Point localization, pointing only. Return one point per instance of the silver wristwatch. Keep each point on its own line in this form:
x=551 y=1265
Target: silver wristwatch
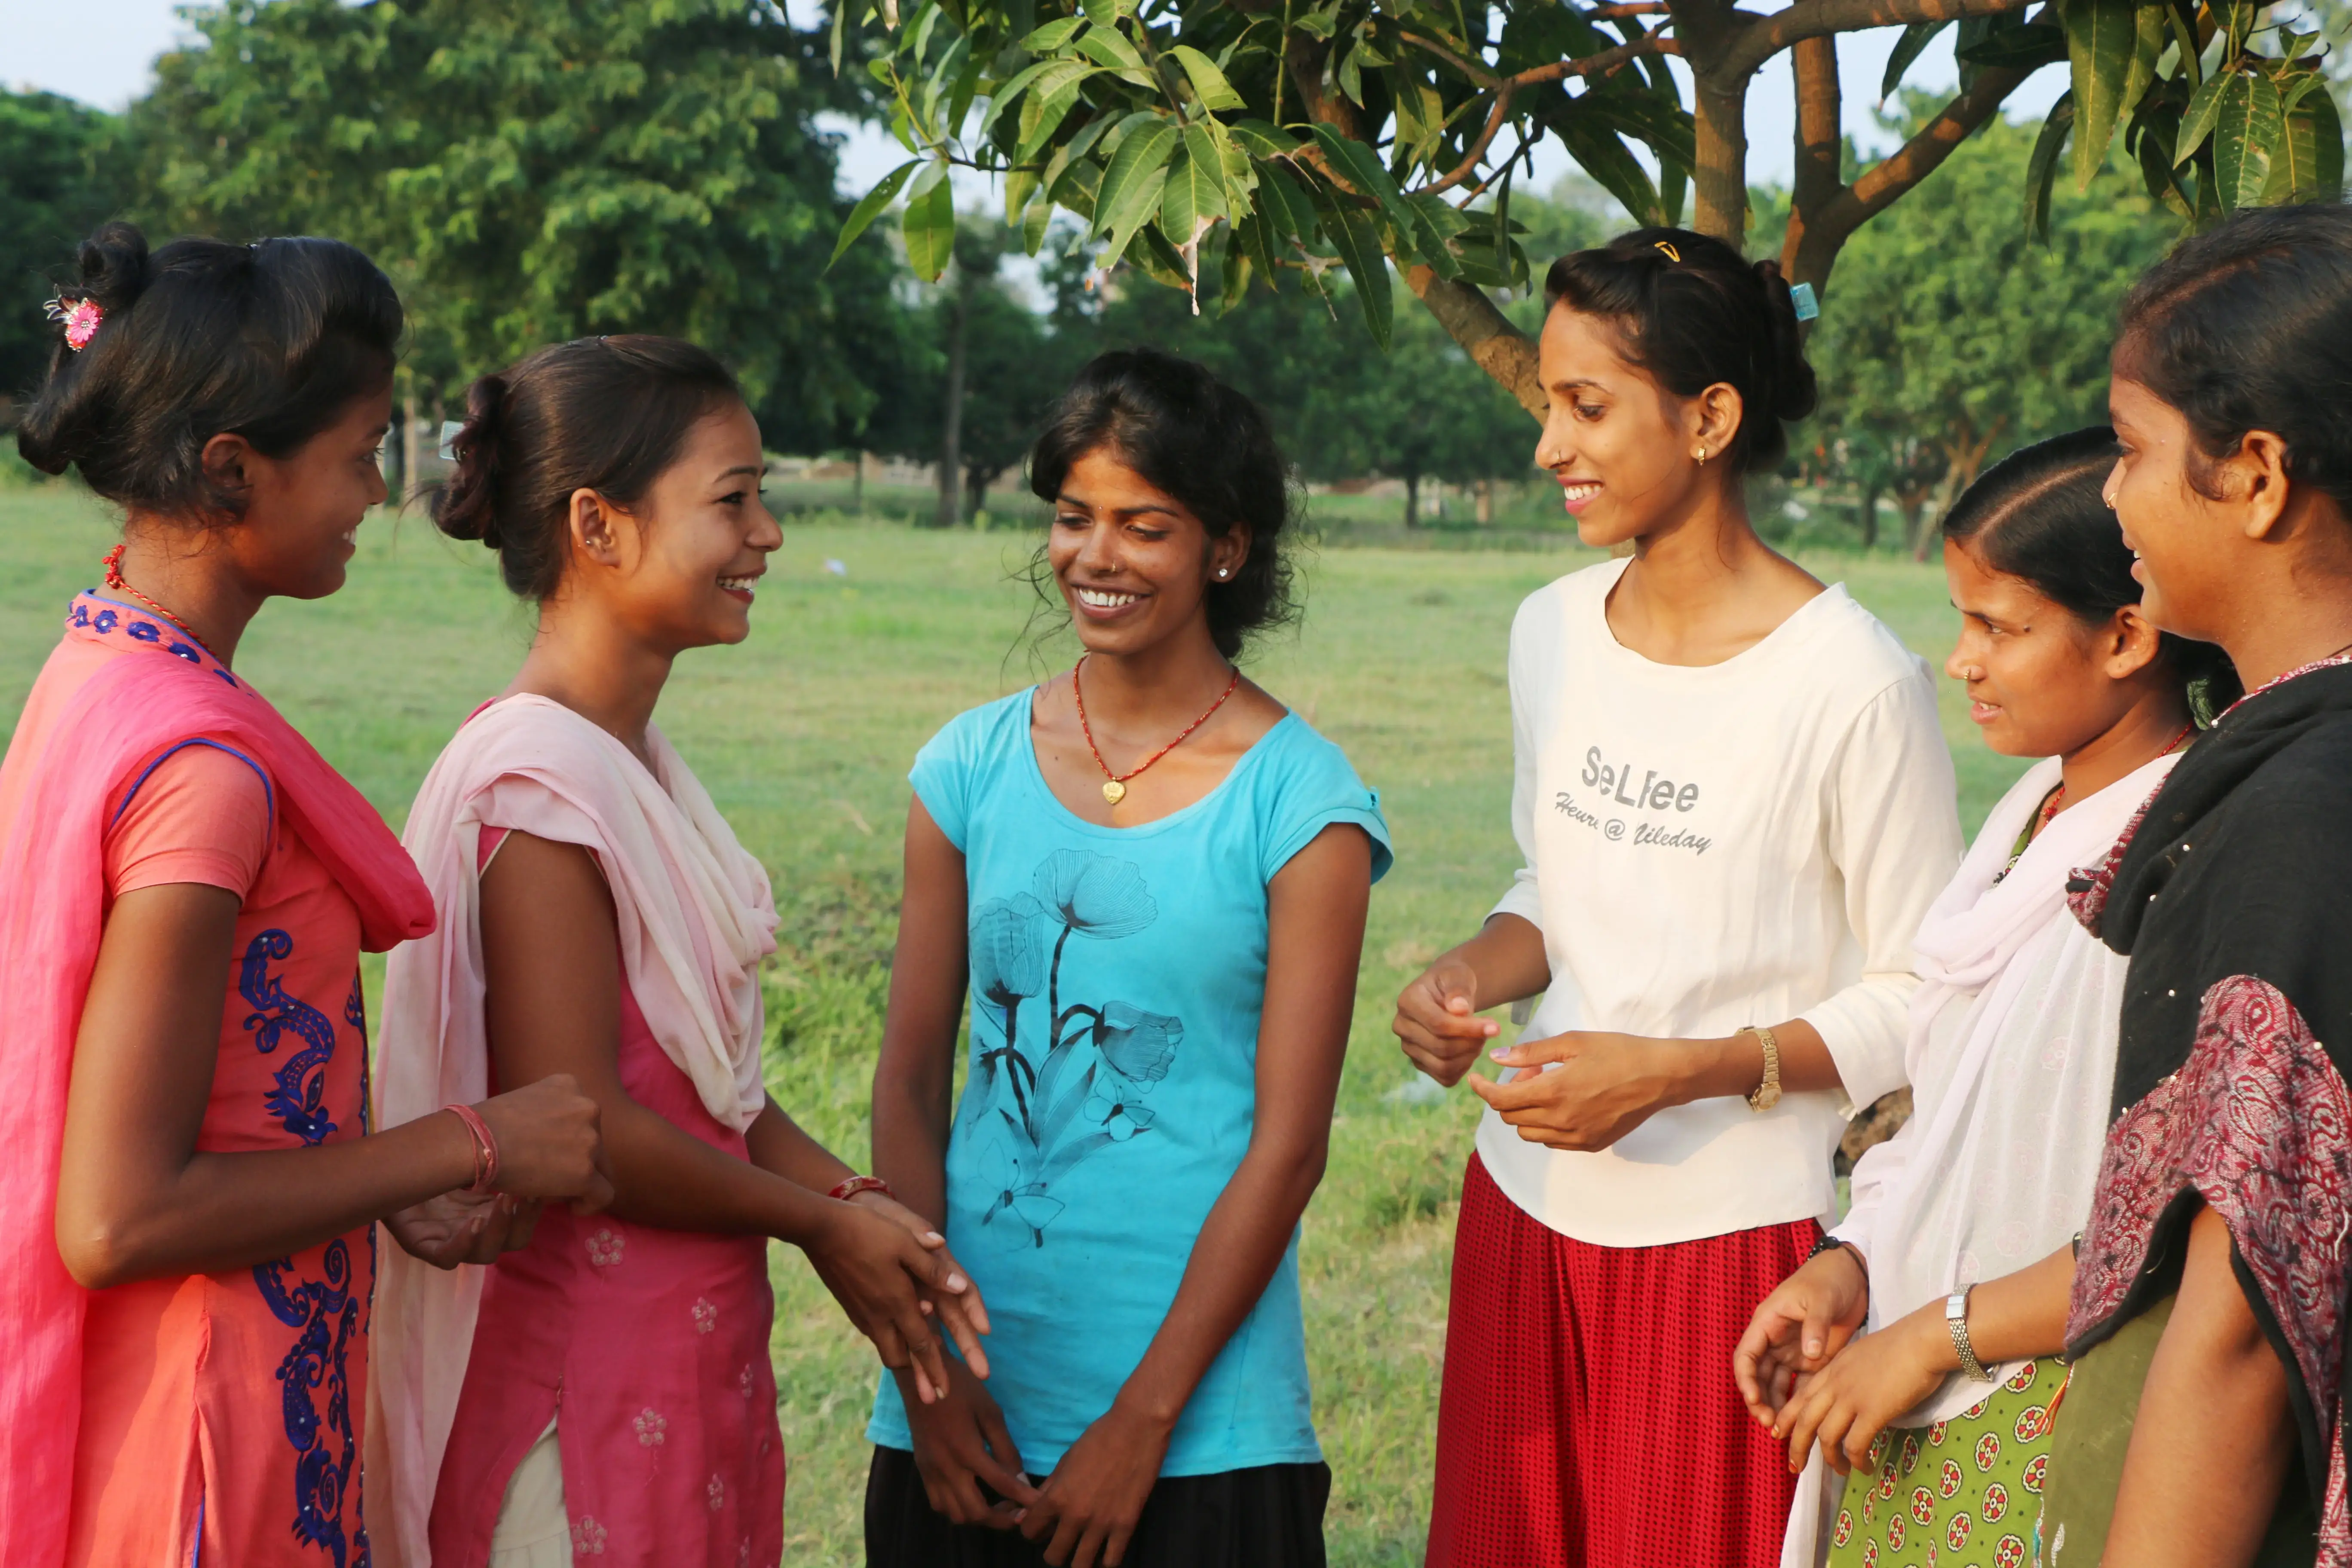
x=1956 y=1319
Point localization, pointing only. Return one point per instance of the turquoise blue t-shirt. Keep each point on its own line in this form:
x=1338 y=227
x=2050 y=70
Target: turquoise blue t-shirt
x=1116 y=978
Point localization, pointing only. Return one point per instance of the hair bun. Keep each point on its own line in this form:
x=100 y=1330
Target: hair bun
x=113 y=265
x=1795 y=391
x=466 y=505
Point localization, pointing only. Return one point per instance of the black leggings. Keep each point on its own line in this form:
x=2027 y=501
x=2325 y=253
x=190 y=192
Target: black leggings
x=1268 y=1517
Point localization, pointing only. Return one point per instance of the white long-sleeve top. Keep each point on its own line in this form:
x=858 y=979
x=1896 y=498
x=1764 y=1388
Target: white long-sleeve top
x=1709 y=847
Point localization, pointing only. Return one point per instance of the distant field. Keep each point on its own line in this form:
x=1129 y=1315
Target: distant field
x=803 y=736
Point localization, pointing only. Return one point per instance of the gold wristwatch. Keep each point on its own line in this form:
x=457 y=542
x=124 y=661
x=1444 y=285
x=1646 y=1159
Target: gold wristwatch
x=1767 y=1094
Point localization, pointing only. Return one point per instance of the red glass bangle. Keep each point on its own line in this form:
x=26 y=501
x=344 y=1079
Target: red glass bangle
x=485 y=1148
x=856 y=1184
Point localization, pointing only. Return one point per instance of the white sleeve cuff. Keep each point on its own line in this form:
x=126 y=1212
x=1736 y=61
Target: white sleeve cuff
x=1864 y=1026
x=1521 y=900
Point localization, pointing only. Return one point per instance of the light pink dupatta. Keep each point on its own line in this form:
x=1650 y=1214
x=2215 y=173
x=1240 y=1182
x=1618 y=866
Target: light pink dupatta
x=695 y=919
x=52 y=899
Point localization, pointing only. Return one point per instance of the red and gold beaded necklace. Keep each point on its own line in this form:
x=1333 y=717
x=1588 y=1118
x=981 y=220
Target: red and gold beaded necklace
x=1115 y=784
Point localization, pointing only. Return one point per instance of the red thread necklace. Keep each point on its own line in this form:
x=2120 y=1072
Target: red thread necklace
x=1115 y=784
x=114 y=581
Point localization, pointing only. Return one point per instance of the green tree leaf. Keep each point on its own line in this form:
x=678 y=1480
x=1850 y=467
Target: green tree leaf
x=1049 y=39
x=2327 y=147
x=1130 y=186
x=2245 y=131
x=1209 y=84
x=1359 y=245
x=2152 y=30
x=2042 y=167
x=1194 y=196
x=928 y=223
x=1915 y=39
x=869 y=208
x=2197 y=120
x=2100 y=38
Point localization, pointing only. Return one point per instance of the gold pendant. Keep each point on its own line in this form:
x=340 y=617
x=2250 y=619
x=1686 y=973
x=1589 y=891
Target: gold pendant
x=1114 y=791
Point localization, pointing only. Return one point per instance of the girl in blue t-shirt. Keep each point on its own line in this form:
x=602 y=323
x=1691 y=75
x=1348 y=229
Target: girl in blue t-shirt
x=1155 y=877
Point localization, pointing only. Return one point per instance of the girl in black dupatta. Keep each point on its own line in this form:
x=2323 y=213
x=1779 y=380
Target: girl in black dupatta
x=2204 y=1421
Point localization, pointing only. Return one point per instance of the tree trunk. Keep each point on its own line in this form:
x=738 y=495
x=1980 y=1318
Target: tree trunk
x=1412 y=501
x=951 y=420
x=1485 y=335
x=1720 y=184
x=976 y=481
x=1485 y=503
x=1867 y=515
x=412 y=448
x=857 y=486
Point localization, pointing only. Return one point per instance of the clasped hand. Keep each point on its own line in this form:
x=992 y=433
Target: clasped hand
x=1603 y=1087
x=1807 y=1376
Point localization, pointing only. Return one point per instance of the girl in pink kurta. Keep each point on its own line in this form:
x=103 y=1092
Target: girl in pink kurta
x=187 y=1186
x=605 y=1393
x=646 y=1350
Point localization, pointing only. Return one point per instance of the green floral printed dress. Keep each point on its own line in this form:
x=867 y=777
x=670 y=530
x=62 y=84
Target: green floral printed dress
x=1962 y=1493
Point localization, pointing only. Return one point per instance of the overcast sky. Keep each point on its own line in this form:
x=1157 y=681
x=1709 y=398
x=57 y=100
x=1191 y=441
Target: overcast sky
x=100 y=51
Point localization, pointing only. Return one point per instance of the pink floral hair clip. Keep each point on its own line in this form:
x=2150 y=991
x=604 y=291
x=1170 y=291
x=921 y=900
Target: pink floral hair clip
x=80 y=317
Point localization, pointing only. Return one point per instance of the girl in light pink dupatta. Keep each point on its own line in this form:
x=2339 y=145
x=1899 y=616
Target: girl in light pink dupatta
x=186 y=1193
x=605 y=1393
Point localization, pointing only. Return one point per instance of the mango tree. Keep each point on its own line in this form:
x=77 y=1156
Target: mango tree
x=1215 y=143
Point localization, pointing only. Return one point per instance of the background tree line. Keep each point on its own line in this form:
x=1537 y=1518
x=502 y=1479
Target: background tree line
x=529 y=172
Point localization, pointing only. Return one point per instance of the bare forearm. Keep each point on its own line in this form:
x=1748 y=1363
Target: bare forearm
x=1237 y=1252
x=910 y=1142
x=224 y=1211
x=2021 y=1315
x=1733 y=1065
x=664 y=1175
x=2214 y=1440
x=1508 y=957
x=779 y=1144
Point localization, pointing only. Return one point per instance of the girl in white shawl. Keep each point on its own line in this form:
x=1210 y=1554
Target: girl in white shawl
x=1958 y=1253
x=605 y=1390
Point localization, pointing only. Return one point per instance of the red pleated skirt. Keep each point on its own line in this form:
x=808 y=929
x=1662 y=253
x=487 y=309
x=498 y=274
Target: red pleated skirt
x=1588 y=1417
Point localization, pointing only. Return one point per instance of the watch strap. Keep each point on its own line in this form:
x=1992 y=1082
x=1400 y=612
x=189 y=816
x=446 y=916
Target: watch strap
x=1766 y=1094
x=1956 y=1319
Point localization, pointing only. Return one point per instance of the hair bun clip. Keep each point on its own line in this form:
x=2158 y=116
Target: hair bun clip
x=449 y=432
x=1671 y=254
x=1809 y=306
x=80 y=319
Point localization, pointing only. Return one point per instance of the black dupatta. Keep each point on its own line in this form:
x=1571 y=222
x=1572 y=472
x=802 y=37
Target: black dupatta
x=2232 y=897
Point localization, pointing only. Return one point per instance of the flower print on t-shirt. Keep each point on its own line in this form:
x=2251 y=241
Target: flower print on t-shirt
x=1076 y=1082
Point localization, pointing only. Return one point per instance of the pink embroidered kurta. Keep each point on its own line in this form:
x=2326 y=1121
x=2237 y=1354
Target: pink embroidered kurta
x=650 y=1349
x=208 y=1418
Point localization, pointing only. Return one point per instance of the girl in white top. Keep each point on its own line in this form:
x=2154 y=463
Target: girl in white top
x=1735 y=806
x=2012 y=1055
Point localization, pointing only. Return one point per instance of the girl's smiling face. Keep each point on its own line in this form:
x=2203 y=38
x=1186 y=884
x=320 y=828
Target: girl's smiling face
x=2184 y=541
x=684 y=561
x=2041 y=681
x=1133 y=563
x=302 y=513
x=1622 y=447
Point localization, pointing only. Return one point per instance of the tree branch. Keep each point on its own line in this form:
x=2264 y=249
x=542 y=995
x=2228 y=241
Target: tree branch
x=1601 y=64
x=1507 y=354
x=1767 y=35
x=1477 y=148
x=1815 y=236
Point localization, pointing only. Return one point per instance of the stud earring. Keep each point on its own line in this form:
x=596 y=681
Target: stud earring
x=1223 y=572
x=1702 y=456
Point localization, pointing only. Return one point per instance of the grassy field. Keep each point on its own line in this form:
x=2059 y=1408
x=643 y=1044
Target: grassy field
x=803 y=736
